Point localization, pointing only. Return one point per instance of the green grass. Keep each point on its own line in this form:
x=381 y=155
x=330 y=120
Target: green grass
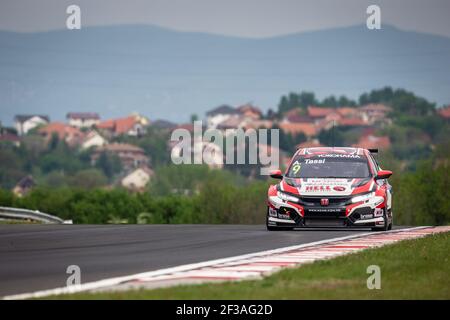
x=5 y=221
x=412 y=269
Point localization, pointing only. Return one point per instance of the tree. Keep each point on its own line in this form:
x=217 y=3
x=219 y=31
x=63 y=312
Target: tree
x=11 y=168
x=88 y=179
x=295 y=100
x=284 y=105
x=332 y=137
x=306 y=99
x=194 y=117
x=109 y=164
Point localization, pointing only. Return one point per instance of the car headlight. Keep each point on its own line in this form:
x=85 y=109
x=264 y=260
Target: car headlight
x=286 y=197
x=363 y=197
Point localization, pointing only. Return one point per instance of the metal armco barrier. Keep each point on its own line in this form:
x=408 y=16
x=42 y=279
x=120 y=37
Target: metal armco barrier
x=25 y=214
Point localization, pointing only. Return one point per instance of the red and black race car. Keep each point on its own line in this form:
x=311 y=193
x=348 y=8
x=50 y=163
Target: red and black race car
x=331 y=187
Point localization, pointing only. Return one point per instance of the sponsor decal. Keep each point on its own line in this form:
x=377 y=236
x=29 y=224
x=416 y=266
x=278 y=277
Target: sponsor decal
x=317 y=188
x=366 y=216
x=325 y=186
x=315 y=161
x=378 y=212
x=272 y=212
x=337 y=155
x=296 y=168
x=283 y=216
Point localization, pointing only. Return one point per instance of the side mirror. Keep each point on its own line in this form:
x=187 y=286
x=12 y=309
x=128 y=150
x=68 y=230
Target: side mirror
x=383 y=174
x=276 y=174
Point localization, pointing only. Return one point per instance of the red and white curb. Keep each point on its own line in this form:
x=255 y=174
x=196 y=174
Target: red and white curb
x=249 y=266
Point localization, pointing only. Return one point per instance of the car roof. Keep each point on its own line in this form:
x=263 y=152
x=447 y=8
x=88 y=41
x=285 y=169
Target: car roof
x=325 y=150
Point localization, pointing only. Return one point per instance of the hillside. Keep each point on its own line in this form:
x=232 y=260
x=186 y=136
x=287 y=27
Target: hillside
x=169 y=74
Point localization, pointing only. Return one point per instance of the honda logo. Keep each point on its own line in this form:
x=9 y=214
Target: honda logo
x=324 y=202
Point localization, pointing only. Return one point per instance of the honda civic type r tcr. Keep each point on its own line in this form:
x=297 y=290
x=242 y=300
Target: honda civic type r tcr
x=331 y=187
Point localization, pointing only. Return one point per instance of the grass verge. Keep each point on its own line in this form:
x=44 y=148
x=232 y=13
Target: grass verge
x=411 y=269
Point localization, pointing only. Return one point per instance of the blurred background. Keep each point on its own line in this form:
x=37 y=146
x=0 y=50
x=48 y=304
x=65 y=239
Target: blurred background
x=86 y=114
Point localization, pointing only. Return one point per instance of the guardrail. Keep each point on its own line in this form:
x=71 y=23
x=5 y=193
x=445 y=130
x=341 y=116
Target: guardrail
x=34 y=215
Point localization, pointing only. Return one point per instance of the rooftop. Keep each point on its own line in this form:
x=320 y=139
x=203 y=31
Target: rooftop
x=223 y=109
x=120 y=125
x=309 y=129
x=61 y=129
x=444 y=112
x=83 y=115
x=25 y=117
x=121 y=147
x=319 y=112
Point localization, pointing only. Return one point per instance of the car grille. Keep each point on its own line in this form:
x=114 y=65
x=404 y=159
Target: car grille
x=335 y=208
x=333 y=201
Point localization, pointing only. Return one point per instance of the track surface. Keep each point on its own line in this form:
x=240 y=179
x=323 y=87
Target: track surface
x=35 y=257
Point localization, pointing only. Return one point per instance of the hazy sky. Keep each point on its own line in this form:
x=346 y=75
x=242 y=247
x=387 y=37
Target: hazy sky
x=250 y=18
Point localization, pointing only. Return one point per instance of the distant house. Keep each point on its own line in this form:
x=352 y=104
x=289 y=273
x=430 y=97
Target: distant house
x=343 y=116
x=25 y=123
x=373 y=142
x=375 y=112
x=93 y=139
x=137 y=179
x=24 y=186
x=220 y=114
x=133 y=125
x=444 y=113
x=200 y=151
x=352 y=122
x=348 y=112
x=308 y=129
x=130 y=155
x=8 y=137
x=318 y=113
x=186 y=126
x=258 y=124
x=83 y=119
x=327 y=122
x=72 y=136
x=230 y=125
x=250 y=111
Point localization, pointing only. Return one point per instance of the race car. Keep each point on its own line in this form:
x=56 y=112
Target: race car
x=331 y=187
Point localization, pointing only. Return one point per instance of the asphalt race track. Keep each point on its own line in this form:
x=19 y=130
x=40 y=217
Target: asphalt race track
x=36 y=257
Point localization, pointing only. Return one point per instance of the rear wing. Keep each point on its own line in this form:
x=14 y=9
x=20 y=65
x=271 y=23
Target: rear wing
x=373 y=150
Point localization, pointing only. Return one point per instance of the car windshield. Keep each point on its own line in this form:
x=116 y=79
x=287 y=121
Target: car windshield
x=329 y=166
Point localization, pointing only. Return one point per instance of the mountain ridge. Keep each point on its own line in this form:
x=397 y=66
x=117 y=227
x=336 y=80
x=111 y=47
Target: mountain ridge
x=161 y=72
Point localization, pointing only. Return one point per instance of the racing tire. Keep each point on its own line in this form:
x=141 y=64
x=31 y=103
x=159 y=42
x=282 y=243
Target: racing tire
x=392 y=221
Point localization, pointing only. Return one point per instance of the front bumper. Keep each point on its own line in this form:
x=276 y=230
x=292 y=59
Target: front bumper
x=285 y=213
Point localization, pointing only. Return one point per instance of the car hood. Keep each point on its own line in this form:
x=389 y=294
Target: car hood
x=326 y=186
